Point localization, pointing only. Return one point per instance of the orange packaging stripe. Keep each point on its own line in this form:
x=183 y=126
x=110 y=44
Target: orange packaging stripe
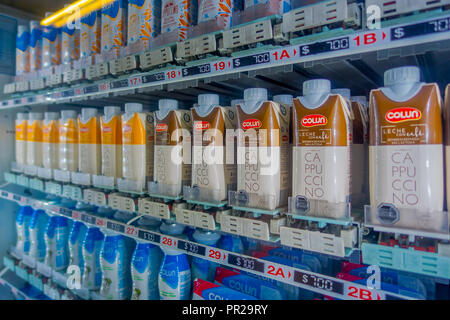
x=111 y=131
x=34 y=132
x=51 y=133
x=89 y=133
x=133 y=131
x=21 y=131
x=68 y=132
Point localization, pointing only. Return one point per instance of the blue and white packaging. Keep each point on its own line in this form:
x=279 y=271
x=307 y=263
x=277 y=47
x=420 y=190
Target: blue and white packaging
x=22 y=50
x=56 y=242
x=281 y=6
x=70 y=43
x=216 y=9
x=92 y=244
x=201 y=268
x=144 y=20
x=35 y=45
x=38 y=223
x=114 y=25
x=248 y=285
x=174 y=279
x=23 y=220
x=231 y=243
x=115 y=261
x=204 y=290
x=51 y=45
x=76 y=238
x=90 y=31
x=145 y=265
x=178 y=15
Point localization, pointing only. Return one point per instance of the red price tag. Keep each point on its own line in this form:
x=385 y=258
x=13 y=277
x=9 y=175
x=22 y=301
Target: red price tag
x=173 y=74
x=282 y=55
x=369 y=38
x=100 y=222
x=221 y=66
x=76 y=215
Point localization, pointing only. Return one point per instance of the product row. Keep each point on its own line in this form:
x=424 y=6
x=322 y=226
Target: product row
x=323 y=149
x=122 y=22
x=121 y=268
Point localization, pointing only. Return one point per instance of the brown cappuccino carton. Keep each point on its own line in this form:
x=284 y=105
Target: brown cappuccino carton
x=322 y=141
x=172 y=169
x=447 y=141
x=211 y=172
x=360 y=149
x=406 y=152
x=262 y=155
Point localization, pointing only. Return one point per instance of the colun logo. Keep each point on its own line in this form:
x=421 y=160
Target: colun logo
x=160 y=127
x=201 y=125
x=243 y=287
x=312 y=120
x=84 y=129
x=251 y=124
x=107 y=129
x=403 y=114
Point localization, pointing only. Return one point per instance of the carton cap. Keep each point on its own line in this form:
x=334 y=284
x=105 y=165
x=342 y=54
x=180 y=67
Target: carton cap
x=283 y=98
x=208 y=99
x=21 y=29
x=67 y=114
x=343 y=92
x=255 y=94
x=51 y=116
x=235 y=102
x=409 y=74
x=36 y=116
x=111 y=111
x=316 y=86
x=88 y=113
x=22 y=116
x=133 y=107
x=360 y=99
x=167 y=104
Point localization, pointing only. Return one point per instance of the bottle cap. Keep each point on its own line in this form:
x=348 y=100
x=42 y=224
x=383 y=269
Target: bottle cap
x=36 y=116
x=360 y=99
x=401 y=75
x=235 y=102
x=206 y=237
x=171 y=228
x=283 y=98
x=22 y=116
x=258 y=94
x=67 y=114
x=316 y=86
x=133 y=107
x=88 y=113
x=167 y=104
x=208 y=99
x=343 y=92
x=111 y=111
x=51 y=116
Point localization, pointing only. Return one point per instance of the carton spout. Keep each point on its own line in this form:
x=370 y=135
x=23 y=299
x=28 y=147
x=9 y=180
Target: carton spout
x=206 y=102
x=315 y=90
x=253 y=97
x=165 y=106
x=403 y=80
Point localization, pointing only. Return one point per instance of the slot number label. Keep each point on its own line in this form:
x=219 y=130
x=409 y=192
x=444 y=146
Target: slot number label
x=191 y=247
x=217 y=254
x=251 y=60
x=134 y=81
x=88 y=219
x=169 y=242
x=221 y=66
x=359 y=293
x=325 y=46
x=148 y=236
x=246 y=263
x=279 y=271
x=65 y=211
x=420 y=29
x=319 y=282
x=131 y=231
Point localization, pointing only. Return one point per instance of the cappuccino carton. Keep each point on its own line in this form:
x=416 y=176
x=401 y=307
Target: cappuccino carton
x=173 y=128
x=211 y=173
x=262 y=151
x=406 y=152
x=322 y=152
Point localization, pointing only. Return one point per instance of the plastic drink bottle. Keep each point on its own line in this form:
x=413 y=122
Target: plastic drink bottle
x=23 y=220
x=76 y=237
x=145 y=265
x=231 y=243
x=201 y=268
x=114 y=262
x=38 y=223
x=56 y=241
x=92 y=244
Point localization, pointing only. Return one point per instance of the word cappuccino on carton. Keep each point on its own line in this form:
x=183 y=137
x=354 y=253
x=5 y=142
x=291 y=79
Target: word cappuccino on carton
x=406 y=152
